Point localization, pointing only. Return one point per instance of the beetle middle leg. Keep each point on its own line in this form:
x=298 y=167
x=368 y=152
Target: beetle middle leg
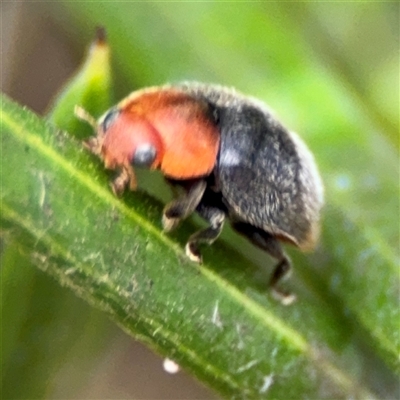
x=182 y=207
x=272 y=246
x=216 y=217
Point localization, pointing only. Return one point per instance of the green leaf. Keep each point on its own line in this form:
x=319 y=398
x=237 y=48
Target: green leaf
x=330 y=71
x=213 y=320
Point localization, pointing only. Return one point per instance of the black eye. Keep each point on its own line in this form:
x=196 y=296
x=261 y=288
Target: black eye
x=109 y=118
x=144 y=155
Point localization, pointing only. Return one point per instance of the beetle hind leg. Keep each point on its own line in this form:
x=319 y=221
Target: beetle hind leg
x=281 y=272
x=216 y=217
x=271 y=245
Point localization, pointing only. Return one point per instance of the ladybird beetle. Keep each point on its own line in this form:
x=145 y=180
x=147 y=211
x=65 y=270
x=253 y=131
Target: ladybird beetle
x=231 y=156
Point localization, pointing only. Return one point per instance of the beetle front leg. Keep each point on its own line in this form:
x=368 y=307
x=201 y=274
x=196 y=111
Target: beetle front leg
x=120 y=183
x=216 y=218
x=182 y=207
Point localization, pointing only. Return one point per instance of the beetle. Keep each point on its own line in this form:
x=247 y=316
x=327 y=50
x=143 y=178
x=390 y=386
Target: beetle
x=231 y=156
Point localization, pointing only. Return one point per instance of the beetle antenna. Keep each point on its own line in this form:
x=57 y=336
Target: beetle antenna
x=85 y=116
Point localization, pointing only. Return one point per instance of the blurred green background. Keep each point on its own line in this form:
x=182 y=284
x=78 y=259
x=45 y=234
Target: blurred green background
x=329 y=70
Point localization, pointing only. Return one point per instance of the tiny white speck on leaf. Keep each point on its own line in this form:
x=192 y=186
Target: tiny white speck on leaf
x=216 y=319
x=247 y=366
x=70 y=271
x=42 y=195
x=267 y=383
x=240 y=344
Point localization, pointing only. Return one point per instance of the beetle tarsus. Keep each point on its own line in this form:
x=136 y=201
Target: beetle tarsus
x=193 y=252
x=216 y=218
x=285 y=298
x=132 y=178
x=182 y=207
x=125 y=178
x=281 y=272
x=119 y=184
x=169 y=224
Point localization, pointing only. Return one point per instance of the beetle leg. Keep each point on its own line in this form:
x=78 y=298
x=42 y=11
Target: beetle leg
x=282 y=271
x=132 y=177
x=272 y=246
x=126 y=177
x=182 y=207
x=94 y=145
x=216 y=218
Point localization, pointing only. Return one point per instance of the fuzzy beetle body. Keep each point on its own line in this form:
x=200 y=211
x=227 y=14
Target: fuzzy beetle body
x=232 y=157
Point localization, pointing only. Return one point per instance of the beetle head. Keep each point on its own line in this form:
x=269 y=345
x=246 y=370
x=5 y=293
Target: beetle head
x=157 y=128
x=129 y=138
x=123 y=138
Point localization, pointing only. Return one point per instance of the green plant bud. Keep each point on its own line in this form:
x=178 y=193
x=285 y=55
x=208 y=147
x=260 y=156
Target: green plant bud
x=89 y=87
